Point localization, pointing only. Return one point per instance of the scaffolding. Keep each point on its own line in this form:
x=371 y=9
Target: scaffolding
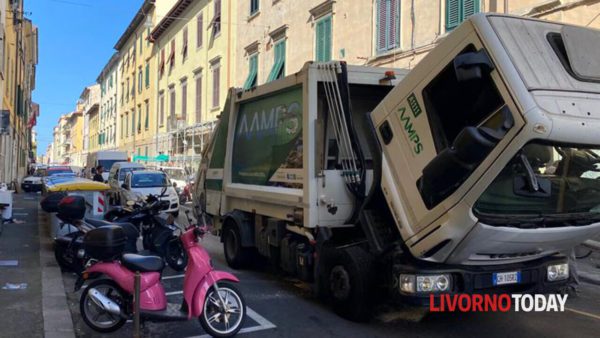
x=184 y=144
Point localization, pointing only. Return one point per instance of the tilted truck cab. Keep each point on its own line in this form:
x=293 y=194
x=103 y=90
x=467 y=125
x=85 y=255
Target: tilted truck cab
x=471 y=173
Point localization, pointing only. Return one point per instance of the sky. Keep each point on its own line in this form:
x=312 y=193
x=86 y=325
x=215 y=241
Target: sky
x=76 y=40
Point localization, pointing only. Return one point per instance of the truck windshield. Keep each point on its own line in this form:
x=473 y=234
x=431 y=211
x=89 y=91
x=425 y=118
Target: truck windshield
x=567 y=179
x=149 y=180
x=107 y=164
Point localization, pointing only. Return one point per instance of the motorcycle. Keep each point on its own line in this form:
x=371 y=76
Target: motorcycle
x=209 y=295
x=159 y=234
x=68 y=248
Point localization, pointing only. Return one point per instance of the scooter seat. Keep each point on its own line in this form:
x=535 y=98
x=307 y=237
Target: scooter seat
x=141 y=263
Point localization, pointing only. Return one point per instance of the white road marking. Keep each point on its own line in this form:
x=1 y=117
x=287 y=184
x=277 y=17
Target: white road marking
x=173 y=293
x=20 y=213
x=18 y=208
x=264 y=324
x=173 y=277
x=29 y=198
x=583 y=313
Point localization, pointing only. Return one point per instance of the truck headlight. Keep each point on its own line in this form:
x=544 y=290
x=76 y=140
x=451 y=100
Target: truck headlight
x=424 y=283
x=407 y=283
x=557 y=272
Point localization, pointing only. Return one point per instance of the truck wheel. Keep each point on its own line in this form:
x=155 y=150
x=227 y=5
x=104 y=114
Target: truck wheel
x=237 y=256
x=346 y=279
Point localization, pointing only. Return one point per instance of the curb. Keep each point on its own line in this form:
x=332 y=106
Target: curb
x=57 y=316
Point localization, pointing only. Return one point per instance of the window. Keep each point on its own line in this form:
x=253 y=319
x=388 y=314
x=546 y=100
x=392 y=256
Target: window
x=172 y=55
x=184 y=47
x=254 y=6
x=388 y=25
x=161 y=67
x=278 y=70
x=122 y=91
x=127 y=91
x=161 y=107
x=323 y=37
x=133 y=86
x=199 y=30
x=139 y=122
x=122 y=124
x=133 y=122
x=147 y=75
x=459 y=10
x=183 y=99
x=252 y=71
x=216 y=69
x=198 y=98
x=140 y=80
x=172 y=107
x=126 y=124
x=216 y=21
x=452 y=105
x=147 y=120
x=141 y=35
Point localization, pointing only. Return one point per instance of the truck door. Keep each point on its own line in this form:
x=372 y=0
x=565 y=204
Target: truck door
x=440 y=129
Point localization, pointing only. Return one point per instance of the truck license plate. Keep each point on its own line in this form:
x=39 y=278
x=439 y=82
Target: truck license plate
x=501 y=278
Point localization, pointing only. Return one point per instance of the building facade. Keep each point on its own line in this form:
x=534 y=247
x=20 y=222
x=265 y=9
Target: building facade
x=89 y=101
x=136 y=123
x=108 y=80
x=17 y=81
x=195 y=55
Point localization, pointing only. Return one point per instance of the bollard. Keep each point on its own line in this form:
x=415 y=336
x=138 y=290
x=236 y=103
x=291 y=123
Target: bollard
x=136 y=306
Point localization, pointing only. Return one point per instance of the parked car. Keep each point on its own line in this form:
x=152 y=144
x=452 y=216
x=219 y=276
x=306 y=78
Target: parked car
x=139 y=184
x=116 y=177
x=34 y=182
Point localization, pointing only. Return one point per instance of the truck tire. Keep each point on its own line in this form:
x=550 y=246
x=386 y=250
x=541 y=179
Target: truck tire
x=237 y=256
x=345 y=278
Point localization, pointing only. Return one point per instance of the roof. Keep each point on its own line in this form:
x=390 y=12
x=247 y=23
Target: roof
x=168 y=20
x=147 y=172
x=135 y=22
x=111 y=62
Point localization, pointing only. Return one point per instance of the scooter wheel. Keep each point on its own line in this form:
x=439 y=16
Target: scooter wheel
x=94 y=316
x=223 y=320
x=175 y=254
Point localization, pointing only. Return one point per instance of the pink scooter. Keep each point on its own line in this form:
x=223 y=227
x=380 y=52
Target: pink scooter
x=106 y=304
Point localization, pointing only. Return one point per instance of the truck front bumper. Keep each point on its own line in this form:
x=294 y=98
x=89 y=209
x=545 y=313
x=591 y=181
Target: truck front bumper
x=480 y=279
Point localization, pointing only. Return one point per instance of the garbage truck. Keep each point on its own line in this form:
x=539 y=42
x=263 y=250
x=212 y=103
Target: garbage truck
x=473 y=173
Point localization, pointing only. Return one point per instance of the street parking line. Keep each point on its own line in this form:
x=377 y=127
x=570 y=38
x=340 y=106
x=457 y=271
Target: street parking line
x=173 y=293
x=583 y=313
x=264 y=324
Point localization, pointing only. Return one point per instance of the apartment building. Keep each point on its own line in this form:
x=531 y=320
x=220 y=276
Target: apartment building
x=108 y=107
x=135 y=122
x=17 y=80
x=196 y=50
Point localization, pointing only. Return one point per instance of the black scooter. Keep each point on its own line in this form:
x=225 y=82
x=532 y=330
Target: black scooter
x=160 y=234
x=68 y=249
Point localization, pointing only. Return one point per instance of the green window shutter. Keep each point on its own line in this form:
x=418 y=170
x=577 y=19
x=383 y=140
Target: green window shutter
x=252 y=72
x=277 y=70
x=147 y=121
x=469 y=7
x=323 y=33
x=147 y=75
x=327 y=38
x=453 y=13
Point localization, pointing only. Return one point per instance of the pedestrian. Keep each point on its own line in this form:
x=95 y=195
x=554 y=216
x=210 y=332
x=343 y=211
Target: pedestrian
x=98 y=175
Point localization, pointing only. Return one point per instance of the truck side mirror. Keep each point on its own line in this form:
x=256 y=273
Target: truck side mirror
x=472 y=65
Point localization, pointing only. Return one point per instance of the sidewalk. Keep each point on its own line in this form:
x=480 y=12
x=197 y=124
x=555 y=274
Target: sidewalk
x=38 y=308
x=589 y=269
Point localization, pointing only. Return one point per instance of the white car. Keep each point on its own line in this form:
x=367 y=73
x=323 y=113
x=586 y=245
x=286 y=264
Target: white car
x=116 y=178
x=176 y=175
x=34 y=182
x=139 y=184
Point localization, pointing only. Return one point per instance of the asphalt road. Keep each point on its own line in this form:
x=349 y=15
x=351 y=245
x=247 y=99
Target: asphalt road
x=284 y=307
